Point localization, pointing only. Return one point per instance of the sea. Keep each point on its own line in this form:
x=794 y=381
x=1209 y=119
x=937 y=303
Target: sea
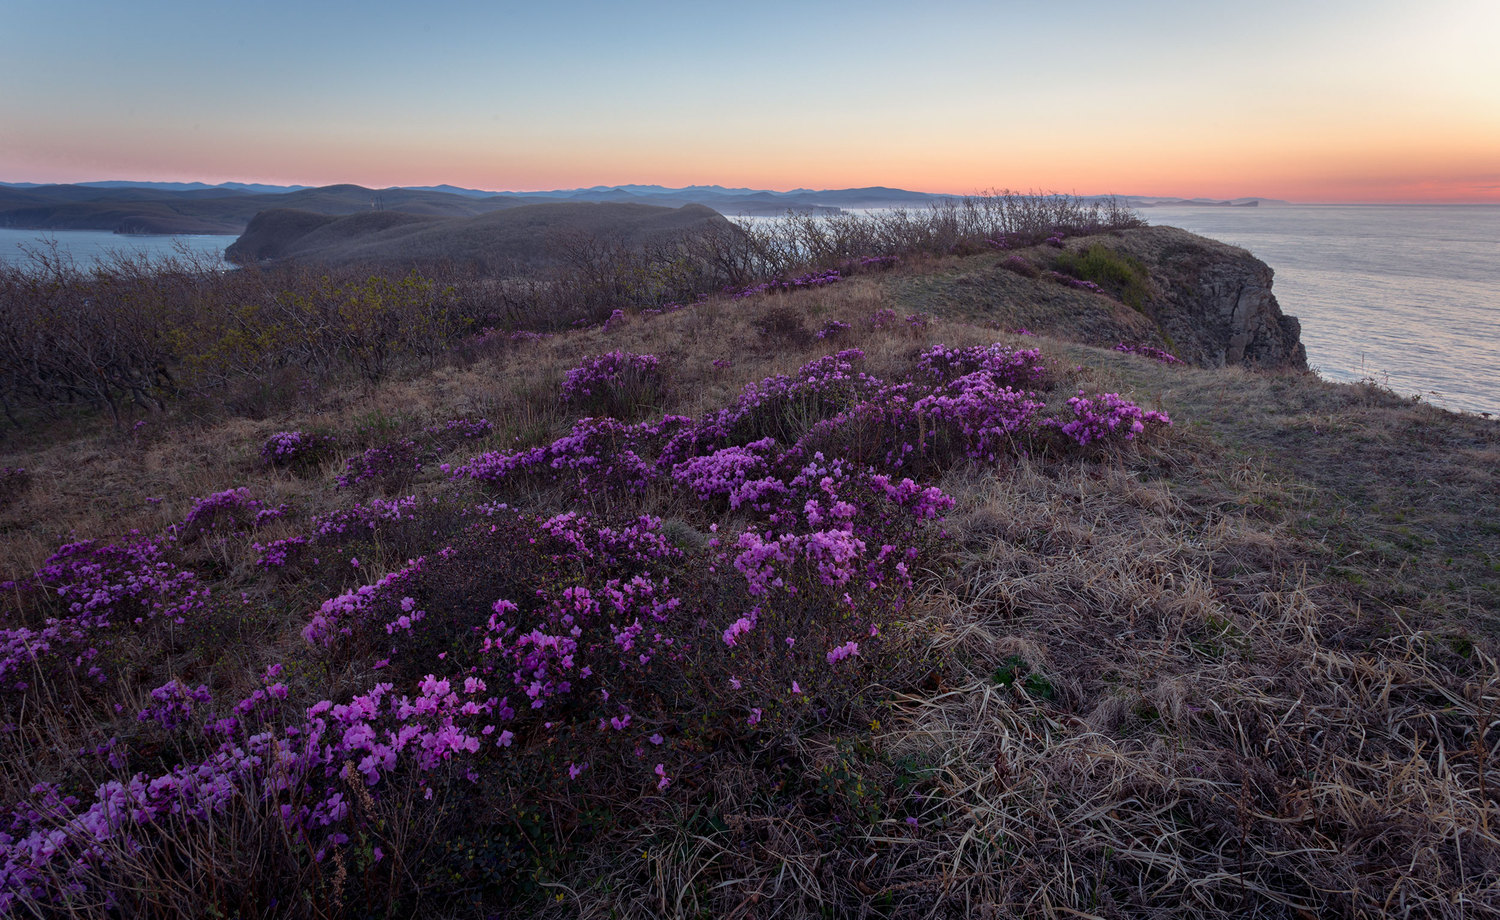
x=1405 y=295
x=88 y=248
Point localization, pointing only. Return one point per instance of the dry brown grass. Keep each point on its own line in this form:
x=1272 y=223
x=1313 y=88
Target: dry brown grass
x=1213 y=731
x=1246 y=670
x=1227 y=736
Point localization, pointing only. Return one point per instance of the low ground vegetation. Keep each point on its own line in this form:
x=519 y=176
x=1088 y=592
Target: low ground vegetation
x=795 y=604
x=132 y=335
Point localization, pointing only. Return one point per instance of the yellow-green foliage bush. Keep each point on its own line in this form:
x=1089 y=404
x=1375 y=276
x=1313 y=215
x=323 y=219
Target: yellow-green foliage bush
x=1121 y=275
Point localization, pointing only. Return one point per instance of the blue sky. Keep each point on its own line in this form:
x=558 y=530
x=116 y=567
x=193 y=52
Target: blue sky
x=1333 y=101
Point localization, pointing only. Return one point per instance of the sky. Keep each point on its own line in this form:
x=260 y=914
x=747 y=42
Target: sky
x=1333 y=101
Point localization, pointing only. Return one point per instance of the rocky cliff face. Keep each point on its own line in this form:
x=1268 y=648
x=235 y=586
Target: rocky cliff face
x=1213 y=301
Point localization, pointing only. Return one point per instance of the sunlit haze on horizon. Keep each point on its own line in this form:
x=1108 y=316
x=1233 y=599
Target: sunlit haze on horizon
x=1333 y=102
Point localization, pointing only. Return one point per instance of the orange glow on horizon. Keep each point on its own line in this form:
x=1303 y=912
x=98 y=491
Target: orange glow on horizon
x=1348 y=169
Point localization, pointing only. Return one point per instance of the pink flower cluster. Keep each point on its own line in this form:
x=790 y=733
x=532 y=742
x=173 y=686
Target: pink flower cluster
x=810 y=280
x=601 y=376
x=94 y=595
x=1070 y=281
x=1005 y=366
x=1149 y=351
x=833 y=330
x=296 y=449
x=1107 y=417
x=172 y=704
x=393 y=464
x=229 y=511
x=570 y=643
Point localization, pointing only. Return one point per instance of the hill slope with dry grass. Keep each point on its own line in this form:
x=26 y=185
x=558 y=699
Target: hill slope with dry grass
x=814 y=602
x=212 y=210
x=520 y=238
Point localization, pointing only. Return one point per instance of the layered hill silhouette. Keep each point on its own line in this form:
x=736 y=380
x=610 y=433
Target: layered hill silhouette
x=520 y=237
x=193 y=207
x=165 y=208
x=227 y=211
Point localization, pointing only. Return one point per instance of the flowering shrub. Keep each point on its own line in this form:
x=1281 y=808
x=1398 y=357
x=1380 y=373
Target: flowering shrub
x=336 y=539
x=296 y=449
x=92 y=595
x=921 y=432
x=1070 y=281
x=982 y=417
x=784 y=406
x=736 y=474
x=1005 y=366
x=576 y=647
x=229 y=511
x=279 y=554
x=1149 y=351
x=619 y=383
x=1020 y=265
x=1107 y=417
x=172 y=704
x=812 y=279
x=834 y=331
x=393 y=465
x=599 y=458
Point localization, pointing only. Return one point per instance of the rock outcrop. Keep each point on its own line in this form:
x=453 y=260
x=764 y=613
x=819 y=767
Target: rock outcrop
x=1212 y=301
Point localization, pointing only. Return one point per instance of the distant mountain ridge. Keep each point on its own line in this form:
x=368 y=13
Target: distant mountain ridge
x=195 y=207
x=134 y=209
x=1148 y=202
x=130 y=207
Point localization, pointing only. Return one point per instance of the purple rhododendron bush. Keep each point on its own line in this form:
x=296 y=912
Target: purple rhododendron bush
x=554 y=658
x=878 y=625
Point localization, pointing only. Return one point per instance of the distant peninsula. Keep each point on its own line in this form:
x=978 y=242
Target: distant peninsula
x=171 y=208
x=126 y=207
x=509 y=240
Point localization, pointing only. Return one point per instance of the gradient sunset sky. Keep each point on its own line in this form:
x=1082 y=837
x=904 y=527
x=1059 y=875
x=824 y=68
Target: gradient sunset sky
x=1329 y=101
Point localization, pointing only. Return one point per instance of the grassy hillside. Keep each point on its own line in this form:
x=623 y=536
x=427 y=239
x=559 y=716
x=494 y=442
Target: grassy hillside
x=519 y=239
x=621 y=622
x=131 y=210
x=281 y=233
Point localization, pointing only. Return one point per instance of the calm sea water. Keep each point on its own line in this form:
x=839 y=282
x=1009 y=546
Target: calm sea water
x=90 y=247
x=1407 y=295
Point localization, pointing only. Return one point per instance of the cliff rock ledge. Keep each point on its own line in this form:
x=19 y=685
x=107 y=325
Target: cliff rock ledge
x=1213 y=301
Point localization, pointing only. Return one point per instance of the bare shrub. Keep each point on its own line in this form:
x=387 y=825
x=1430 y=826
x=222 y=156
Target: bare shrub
x=783 y=325
x=14 y=481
